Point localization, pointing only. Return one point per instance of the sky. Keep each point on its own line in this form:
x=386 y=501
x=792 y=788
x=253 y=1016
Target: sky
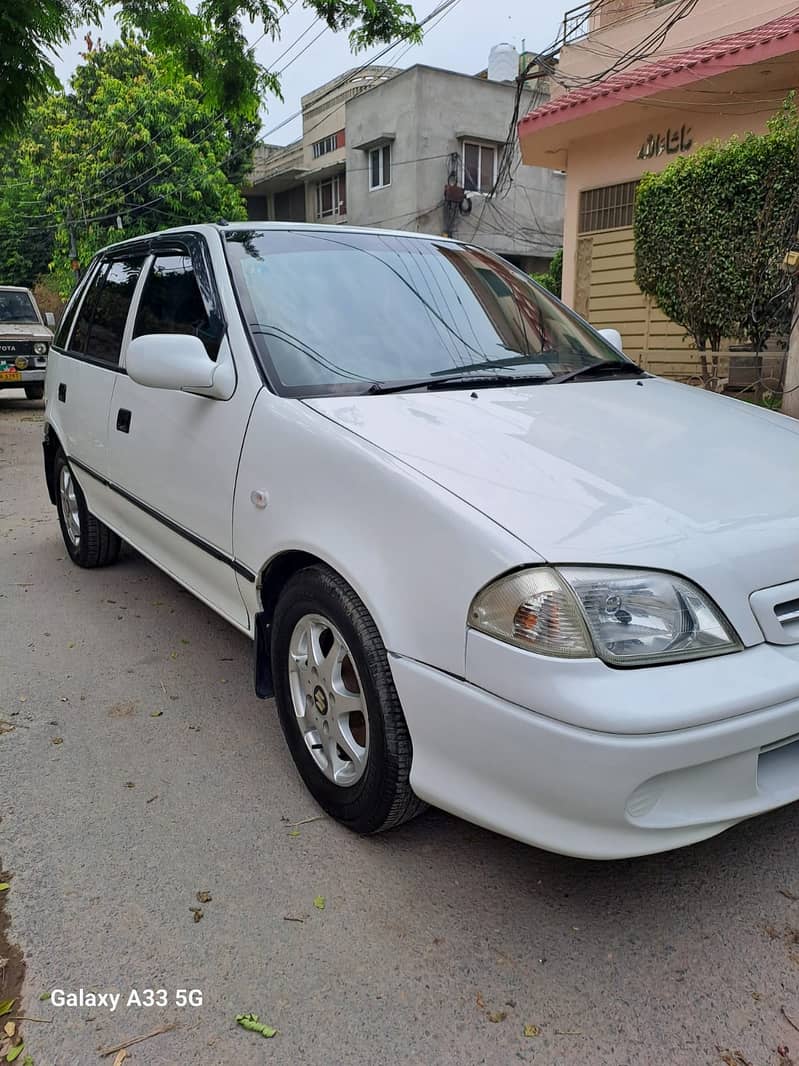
x=460 y=41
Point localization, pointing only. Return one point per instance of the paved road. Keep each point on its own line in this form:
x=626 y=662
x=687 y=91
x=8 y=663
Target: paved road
x=141 y=770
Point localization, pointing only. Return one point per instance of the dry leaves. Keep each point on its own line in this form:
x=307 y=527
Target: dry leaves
x=197 y=912
x=204 y=897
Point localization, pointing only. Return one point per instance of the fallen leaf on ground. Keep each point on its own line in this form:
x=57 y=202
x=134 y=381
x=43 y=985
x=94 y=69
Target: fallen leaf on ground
x=197 y=912
x=732 y=1058
x=6 y=1006
x=130 y=784
x=532 y=1030
x=44 y=996
x=120 y=1058
x=14 y=1053
x=4 y=886
x=251 y=1022
x=480 y=1001
x=27 y=1061
x=154 y=714
x=6 y=727
x=497 y=1016
x=9 y=1028
x=294 y=833
x=319 y=903
x=58 y=740
x=204 y=897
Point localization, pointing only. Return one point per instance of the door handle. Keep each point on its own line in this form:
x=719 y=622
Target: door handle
x=123 y=420
x=62 y=392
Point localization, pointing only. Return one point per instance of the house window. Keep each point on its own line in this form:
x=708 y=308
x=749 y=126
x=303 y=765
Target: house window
x=331 y=197
x=328 y=144
x=479 y=167
x=610 y=207
x=380 y=167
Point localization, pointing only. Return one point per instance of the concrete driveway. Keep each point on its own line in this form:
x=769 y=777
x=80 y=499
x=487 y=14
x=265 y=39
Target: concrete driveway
x=137 y=769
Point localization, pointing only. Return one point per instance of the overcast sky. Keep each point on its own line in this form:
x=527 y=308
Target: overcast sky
x=460 y=41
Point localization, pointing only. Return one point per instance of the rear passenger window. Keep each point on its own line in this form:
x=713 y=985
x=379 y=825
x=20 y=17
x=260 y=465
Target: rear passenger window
x=83 y=324
x=111 y=310
x=100 y=326
x=171 y=302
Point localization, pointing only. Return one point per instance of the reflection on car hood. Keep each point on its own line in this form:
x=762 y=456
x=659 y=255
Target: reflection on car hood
x=647 y=473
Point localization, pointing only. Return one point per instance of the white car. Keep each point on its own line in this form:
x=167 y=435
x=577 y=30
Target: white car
x=488 y=563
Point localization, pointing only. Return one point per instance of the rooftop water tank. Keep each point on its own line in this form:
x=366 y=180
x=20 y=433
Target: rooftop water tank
x=503 y=62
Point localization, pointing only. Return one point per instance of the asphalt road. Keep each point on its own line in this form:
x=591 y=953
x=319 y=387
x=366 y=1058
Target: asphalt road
x=137 y=769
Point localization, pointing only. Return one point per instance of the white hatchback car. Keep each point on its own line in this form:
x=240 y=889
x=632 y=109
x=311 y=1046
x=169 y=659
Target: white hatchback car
x=487 y=562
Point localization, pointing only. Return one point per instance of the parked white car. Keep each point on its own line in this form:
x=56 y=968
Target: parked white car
x=488 y=563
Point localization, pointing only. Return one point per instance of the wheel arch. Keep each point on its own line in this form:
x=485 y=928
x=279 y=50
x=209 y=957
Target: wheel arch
x=272 y=579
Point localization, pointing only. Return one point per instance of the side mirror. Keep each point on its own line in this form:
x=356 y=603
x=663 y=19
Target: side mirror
x=613 y=336
x=171 y=361
x=49 y=319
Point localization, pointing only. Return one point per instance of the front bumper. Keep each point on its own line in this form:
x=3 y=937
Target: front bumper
x=586 y=793
x=27 y=377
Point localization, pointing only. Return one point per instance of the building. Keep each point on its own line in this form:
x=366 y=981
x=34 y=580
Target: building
x=722 y=69
x=305 y=181
x=419 y=150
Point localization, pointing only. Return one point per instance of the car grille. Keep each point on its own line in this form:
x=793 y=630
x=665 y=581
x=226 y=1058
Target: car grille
x=13 y=348
x=777 y=611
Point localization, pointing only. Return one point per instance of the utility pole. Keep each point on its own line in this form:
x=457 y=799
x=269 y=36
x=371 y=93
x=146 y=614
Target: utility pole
x=73 y=249
x=790 y=397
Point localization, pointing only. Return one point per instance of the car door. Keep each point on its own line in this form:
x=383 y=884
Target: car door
x=85 y=367
x=173 y=455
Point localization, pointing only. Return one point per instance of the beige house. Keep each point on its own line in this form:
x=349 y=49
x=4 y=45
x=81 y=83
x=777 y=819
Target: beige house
x=723 y=68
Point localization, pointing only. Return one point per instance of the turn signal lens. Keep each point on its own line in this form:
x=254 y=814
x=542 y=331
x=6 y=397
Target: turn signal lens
x=533 y=610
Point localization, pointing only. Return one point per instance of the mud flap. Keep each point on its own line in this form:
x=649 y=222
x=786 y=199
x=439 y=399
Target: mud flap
x=264 y=686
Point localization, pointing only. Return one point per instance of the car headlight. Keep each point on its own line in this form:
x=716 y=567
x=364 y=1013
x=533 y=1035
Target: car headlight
x=626 y=617
x=40 y=348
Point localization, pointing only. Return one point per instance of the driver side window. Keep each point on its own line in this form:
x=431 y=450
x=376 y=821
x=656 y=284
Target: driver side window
x=171 y=302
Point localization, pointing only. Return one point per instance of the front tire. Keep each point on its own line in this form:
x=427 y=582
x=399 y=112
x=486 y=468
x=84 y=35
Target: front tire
x=89 y=541
x=35 y=391
x=338 y=706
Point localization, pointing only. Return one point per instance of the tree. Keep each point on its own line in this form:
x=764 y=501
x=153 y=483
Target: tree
x=208 y=43
x=710 y=234
x=132 y=147
x=25 y=251
x=552 y=280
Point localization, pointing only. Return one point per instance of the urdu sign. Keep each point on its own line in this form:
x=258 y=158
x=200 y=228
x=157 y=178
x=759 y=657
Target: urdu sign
x=672 y=142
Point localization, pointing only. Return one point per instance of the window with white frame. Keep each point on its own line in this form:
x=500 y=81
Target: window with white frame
x=380 y=167
x=331 y=197
x=479 y=167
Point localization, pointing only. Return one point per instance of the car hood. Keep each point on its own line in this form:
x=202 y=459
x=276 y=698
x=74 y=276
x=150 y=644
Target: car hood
x=640 y=473
x=29 y=331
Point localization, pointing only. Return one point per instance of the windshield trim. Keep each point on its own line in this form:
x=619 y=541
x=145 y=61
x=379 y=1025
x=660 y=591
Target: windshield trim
x=257 y=333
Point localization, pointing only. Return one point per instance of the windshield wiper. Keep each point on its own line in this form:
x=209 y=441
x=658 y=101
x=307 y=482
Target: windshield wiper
x=454 y=381
x=606 y=369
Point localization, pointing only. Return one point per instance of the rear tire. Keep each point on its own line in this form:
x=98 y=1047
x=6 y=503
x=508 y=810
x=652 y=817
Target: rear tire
x=35 y=391
x=356 y=762
x=89 y=541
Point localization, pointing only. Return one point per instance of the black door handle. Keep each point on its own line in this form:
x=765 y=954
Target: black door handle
x=123 y=420
x=62 y=392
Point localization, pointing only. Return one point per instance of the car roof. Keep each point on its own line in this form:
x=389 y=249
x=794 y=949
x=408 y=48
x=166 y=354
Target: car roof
x=265 y=227
x=15 y=288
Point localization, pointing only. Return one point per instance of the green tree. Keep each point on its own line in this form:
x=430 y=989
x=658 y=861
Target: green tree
x=206 y=40
x=134 y=146
x=552 y=279
x=25 y=250
x=710 y=235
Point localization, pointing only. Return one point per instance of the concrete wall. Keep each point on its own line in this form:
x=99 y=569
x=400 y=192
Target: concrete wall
x=426 y=113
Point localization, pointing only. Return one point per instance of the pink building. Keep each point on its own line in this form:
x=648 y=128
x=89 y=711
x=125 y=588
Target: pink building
x=640 y=82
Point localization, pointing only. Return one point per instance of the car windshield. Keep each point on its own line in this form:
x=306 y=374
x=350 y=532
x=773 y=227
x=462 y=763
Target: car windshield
x=339 y=312
x=17 y=307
